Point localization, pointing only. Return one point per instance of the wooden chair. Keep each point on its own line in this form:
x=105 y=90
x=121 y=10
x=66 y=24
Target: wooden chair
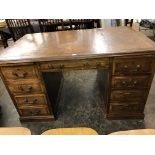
x=128 y=21
x=19 y=27
x=15 y=131
x=135 y=132
x=77 y=24
x=50 y=25
x=98 y=23
x=70 y=131
x=4 y=38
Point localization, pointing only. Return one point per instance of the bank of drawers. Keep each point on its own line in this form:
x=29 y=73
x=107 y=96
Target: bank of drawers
x=27 y=89
x=129 y=86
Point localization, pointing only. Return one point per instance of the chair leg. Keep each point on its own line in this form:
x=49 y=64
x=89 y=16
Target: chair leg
x=131 y=22
x=153 y=31
x=5 y=44
x=4 y=40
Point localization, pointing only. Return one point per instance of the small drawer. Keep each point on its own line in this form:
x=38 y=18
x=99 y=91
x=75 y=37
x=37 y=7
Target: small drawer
x=126 y=66
x=31 y=100
x=31 y=111
x=130 y=82
x=25 y=87
x=19 y=72
x=80 y=64
x=121 y=108
x=128 y=95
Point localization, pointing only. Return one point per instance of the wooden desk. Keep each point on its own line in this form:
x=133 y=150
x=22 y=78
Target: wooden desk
x=34 y=66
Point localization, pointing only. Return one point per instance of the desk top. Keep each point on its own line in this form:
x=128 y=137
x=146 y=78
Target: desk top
x=77 y=44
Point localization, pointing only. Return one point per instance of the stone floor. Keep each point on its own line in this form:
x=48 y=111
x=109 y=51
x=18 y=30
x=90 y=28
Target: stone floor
x=80 y=106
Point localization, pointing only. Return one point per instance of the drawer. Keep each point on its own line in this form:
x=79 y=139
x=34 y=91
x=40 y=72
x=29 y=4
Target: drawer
x=128 y=95
x=81 y=64
x=32 y=100
x=127 y=66
x=19 y=72
x=120 y=108
x=34 y=111
x=25 y=87
x=130 y=82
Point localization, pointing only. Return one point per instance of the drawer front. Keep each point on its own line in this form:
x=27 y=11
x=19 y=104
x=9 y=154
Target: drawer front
x=131 y=66
x=104 y=63
x=130 y=82
x=120 y=108
x=19 y=72
x=31 y=100
x=126 y=96
x=31 y=111
x=25 y=87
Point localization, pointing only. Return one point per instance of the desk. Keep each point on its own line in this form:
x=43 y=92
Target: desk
x=32 y=70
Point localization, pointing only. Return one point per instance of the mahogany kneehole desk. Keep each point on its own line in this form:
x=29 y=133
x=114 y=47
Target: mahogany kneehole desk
x=124 y=59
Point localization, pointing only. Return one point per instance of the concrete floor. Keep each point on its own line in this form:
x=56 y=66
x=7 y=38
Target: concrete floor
x=80 y=106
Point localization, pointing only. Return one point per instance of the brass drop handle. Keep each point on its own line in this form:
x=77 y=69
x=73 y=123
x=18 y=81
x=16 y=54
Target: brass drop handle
x=137 y=68
x=25 y=88
x=20 y=74
x=130 y=83
x=30 y=102
x=32 y=113
x=86 y=64
x=127 y=93
x=135 y=82
x=124 y=82
x=125 y=66
x=61 y=66
x=123 y=107
x=98 y=64
x=50 y=66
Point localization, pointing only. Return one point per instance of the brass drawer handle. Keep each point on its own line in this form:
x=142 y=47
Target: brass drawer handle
x=125 y=66
x=50 y=66
x=34 y=101
x=32 y=113
x=25 y=88
x=61 y=66
x=138 y=67
x=98 y=64
x=20 y=74
x=124 y=82
x=85 y=64
x=135 y=82
x=127 y=93
x=123 y=107
x=129 y=83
